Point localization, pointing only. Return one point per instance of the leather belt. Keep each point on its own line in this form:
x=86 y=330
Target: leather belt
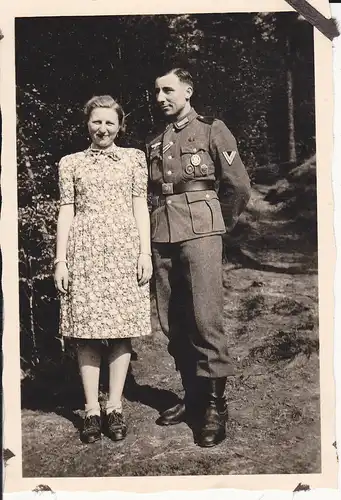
x=168 y=188
x=162 y=191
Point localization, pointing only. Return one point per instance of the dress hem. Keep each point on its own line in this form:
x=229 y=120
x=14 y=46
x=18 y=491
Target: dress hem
x=73 y=337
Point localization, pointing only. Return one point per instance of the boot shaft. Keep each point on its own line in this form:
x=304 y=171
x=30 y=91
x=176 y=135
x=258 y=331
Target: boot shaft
x=213 y=391
x=211 y=424
x=210 y=395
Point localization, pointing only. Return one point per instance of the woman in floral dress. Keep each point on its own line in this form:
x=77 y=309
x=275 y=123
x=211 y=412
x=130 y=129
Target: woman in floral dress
x=103 y=259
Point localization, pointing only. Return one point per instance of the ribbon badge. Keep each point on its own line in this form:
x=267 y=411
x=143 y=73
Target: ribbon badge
x=167 y=147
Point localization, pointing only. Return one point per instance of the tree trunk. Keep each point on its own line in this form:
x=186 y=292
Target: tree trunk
x=34 y=359
x=291 y=120
x=147 y=94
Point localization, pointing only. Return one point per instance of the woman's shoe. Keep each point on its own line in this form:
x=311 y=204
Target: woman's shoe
x=116 y=427
x=91 y=431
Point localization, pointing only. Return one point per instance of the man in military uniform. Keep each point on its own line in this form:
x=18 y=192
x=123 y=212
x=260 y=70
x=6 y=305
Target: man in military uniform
x=186 y=162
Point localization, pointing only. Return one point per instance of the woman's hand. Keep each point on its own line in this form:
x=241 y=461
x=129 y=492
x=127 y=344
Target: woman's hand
x=61 y=277
x=144 y=269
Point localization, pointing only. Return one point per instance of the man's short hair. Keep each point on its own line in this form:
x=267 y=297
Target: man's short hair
x=183 y=75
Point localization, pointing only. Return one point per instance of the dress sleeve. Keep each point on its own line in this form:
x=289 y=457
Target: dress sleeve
x=66 y=183
x=140 y=175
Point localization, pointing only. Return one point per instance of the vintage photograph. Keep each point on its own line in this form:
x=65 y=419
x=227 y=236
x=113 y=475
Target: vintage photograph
x=167 y=249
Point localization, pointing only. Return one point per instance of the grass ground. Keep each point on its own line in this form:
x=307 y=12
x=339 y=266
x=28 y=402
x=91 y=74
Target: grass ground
x=271 y=318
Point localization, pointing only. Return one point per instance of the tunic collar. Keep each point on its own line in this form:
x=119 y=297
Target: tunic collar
x=185 y=120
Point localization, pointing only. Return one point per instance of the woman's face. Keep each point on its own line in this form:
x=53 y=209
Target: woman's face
x=103 y=126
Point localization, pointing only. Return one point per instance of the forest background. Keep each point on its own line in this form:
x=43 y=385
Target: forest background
x=253 y=71
x=256 y=73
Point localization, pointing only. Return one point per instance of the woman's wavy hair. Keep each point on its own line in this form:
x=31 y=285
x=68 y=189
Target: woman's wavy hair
x=106 y=101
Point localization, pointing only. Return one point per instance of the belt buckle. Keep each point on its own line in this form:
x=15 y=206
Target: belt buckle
x=167 y=188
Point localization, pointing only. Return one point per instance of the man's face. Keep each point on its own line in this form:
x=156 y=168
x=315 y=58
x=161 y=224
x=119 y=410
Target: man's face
x=172 y=95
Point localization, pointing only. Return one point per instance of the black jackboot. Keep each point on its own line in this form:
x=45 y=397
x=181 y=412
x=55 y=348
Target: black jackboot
x=173 y=415
x=178 y=413
x=210 y=428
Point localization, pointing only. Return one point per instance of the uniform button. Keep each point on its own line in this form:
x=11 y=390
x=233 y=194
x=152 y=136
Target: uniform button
x=207 y=195
x=169 y=172
x=170 y=157
x=195 y=150
x=169 y=202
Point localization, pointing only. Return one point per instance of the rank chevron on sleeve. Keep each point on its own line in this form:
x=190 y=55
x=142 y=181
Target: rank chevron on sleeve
x=229 y=156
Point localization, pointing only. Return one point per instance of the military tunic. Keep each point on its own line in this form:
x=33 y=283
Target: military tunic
x=196 y=148
x=186 y=229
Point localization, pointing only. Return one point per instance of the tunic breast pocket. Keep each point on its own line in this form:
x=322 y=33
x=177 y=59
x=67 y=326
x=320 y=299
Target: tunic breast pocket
x=196 y=160
x=205 y=212
x=155 y=165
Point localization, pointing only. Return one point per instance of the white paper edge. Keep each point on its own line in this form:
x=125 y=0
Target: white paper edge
x=231 y=494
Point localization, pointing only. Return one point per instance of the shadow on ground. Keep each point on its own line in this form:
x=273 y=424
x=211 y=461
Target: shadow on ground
x=271 y=321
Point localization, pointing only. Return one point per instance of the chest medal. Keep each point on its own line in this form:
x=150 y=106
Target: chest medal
x=189 y=169
x=195 y=160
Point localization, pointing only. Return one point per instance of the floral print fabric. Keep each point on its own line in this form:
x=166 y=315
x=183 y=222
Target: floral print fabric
x=104 y=300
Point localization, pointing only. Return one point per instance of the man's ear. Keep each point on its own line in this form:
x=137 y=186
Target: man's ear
x=188 y=92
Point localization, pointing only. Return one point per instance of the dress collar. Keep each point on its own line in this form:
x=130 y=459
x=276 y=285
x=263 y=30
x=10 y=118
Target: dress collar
x=111 y=152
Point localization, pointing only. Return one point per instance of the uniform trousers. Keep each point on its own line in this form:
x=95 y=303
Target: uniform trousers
x=189 y=294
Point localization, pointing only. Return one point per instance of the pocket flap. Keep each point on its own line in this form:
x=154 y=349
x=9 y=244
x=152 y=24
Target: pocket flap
x=193 y=147
x=194 y=196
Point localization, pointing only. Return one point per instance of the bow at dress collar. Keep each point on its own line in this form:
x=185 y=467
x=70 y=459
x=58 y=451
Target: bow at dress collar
x=111 y=152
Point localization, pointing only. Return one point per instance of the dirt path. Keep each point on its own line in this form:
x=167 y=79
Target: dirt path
x=271 y=321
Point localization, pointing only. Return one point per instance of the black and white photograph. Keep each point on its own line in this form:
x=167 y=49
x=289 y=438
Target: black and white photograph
x=168 y=262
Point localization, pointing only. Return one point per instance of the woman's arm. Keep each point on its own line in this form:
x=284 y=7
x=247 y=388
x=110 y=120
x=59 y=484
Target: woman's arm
x=141 y=214
x=65 y=218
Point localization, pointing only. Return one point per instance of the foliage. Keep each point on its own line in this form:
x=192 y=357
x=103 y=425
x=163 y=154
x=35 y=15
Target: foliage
x=239 y=63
